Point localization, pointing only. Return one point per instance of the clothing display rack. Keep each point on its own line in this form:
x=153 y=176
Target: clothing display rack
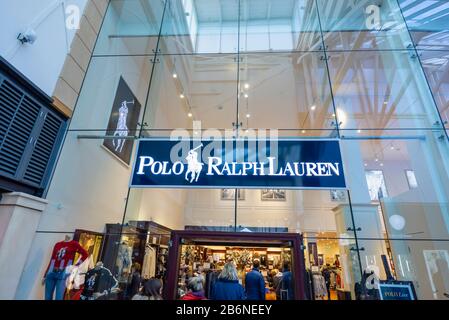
x=319 y=285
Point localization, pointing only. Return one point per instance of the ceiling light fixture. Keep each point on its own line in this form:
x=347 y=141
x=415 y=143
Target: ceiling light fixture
x=190 y=115
x=182 y=96
x=247 y=86
x=313 y=108
x=175 y=75
x=248 y=115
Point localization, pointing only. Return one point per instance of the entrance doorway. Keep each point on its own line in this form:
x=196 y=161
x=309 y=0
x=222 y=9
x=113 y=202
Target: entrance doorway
x=206 y=252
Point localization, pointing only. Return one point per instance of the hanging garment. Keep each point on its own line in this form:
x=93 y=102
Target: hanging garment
x=149 y=262
x=77 y=274
x=98 y=280
x=319 y=285
x=124 y=259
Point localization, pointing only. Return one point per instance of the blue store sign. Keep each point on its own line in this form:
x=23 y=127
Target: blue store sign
x=397 y=291
x=243 y=163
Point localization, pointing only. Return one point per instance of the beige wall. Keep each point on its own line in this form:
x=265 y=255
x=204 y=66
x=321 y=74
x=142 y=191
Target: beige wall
x=68 y=86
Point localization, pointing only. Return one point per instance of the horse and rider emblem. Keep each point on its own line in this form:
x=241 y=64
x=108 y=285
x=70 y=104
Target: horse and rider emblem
x=122 y=128
x=123 y=122
x=61 y=253
x=194 y=166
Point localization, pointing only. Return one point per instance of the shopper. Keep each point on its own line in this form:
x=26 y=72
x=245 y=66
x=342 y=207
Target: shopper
x=326 y=272
x=152 y=290
x=277 y=278
x=255 y=283
x=135 y=280
x=227 y=286
x=196 y=290
x=285 y=288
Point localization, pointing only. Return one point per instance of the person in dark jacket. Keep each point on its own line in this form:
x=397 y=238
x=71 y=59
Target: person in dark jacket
x=326 y=272
x=227 y=286
x=136 y=280
x=285 y=287
x=255 y=283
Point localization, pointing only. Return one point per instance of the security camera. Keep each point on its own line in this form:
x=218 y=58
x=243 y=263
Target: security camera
x=29 y=36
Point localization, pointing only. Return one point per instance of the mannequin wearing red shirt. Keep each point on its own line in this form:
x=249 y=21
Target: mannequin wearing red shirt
x=63 y=256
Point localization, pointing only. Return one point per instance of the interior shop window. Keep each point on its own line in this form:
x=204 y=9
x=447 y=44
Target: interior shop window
x=411 y=179
x=376 y=184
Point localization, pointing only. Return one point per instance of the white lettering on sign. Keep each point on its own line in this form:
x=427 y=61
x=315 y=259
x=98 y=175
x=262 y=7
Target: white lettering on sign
x=216 y=166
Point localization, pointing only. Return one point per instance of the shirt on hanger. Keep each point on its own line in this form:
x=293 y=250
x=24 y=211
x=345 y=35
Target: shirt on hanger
x=98 y=280
x=149 y=263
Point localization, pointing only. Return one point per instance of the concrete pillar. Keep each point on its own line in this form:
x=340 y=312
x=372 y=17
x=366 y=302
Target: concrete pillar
x=19 y=219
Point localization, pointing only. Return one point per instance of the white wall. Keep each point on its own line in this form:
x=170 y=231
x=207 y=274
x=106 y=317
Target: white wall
x=90 y=185
x=302 y=211
x=41 y=62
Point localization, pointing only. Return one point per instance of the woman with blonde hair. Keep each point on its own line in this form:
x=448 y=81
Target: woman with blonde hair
x=196 y=290
x=227 y=286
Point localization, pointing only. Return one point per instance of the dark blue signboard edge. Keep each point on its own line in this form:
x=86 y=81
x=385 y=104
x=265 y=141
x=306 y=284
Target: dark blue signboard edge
x=227 y=187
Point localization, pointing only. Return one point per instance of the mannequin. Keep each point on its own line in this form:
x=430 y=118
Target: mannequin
x=124 y=259
x=99 y=282
x=62 y=257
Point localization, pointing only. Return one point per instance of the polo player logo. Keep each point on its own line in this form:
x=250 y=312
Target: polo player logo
x=122 y=128
x=61 y=253
x=91 y=282
x=194 y=166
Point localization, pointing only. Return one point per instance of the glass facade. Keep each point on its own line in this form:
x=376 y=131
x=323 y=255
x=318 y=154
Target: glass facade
x=372 y=74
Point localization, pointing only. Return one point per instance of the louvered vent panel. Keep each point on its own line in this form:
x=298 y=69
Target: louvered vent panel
x=19 y=115
x=43 y=150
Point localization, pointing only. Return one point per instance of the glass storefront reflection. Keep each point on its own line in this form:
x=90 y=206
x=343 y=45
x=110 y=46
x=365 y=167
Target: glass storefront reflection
x=309 y=69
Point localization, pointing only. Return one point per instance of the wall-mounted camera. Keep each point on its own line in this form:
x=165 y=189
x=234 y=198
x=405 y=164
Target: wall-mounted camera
x=29 y=36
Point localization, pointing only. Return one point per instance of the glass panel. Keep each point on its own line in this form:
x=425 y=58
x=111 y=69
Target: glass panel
x=180 y=209
x=279 y=25
x=380 y=90
x=285 y=91
x=88 y=154
x=130 y=27
x=294 y=211
x=402 y=212
x=332 y=267
x=42 y=265
x=109 y=83
x=421 y=264
x=362 y=25
x=200 y=26
x=427 y=15
x=187 y=88
x=436 y=68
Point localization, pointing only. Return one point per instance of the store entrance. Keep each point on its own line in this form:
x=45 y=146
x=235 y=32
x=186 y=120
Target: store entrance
x=206 y=252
